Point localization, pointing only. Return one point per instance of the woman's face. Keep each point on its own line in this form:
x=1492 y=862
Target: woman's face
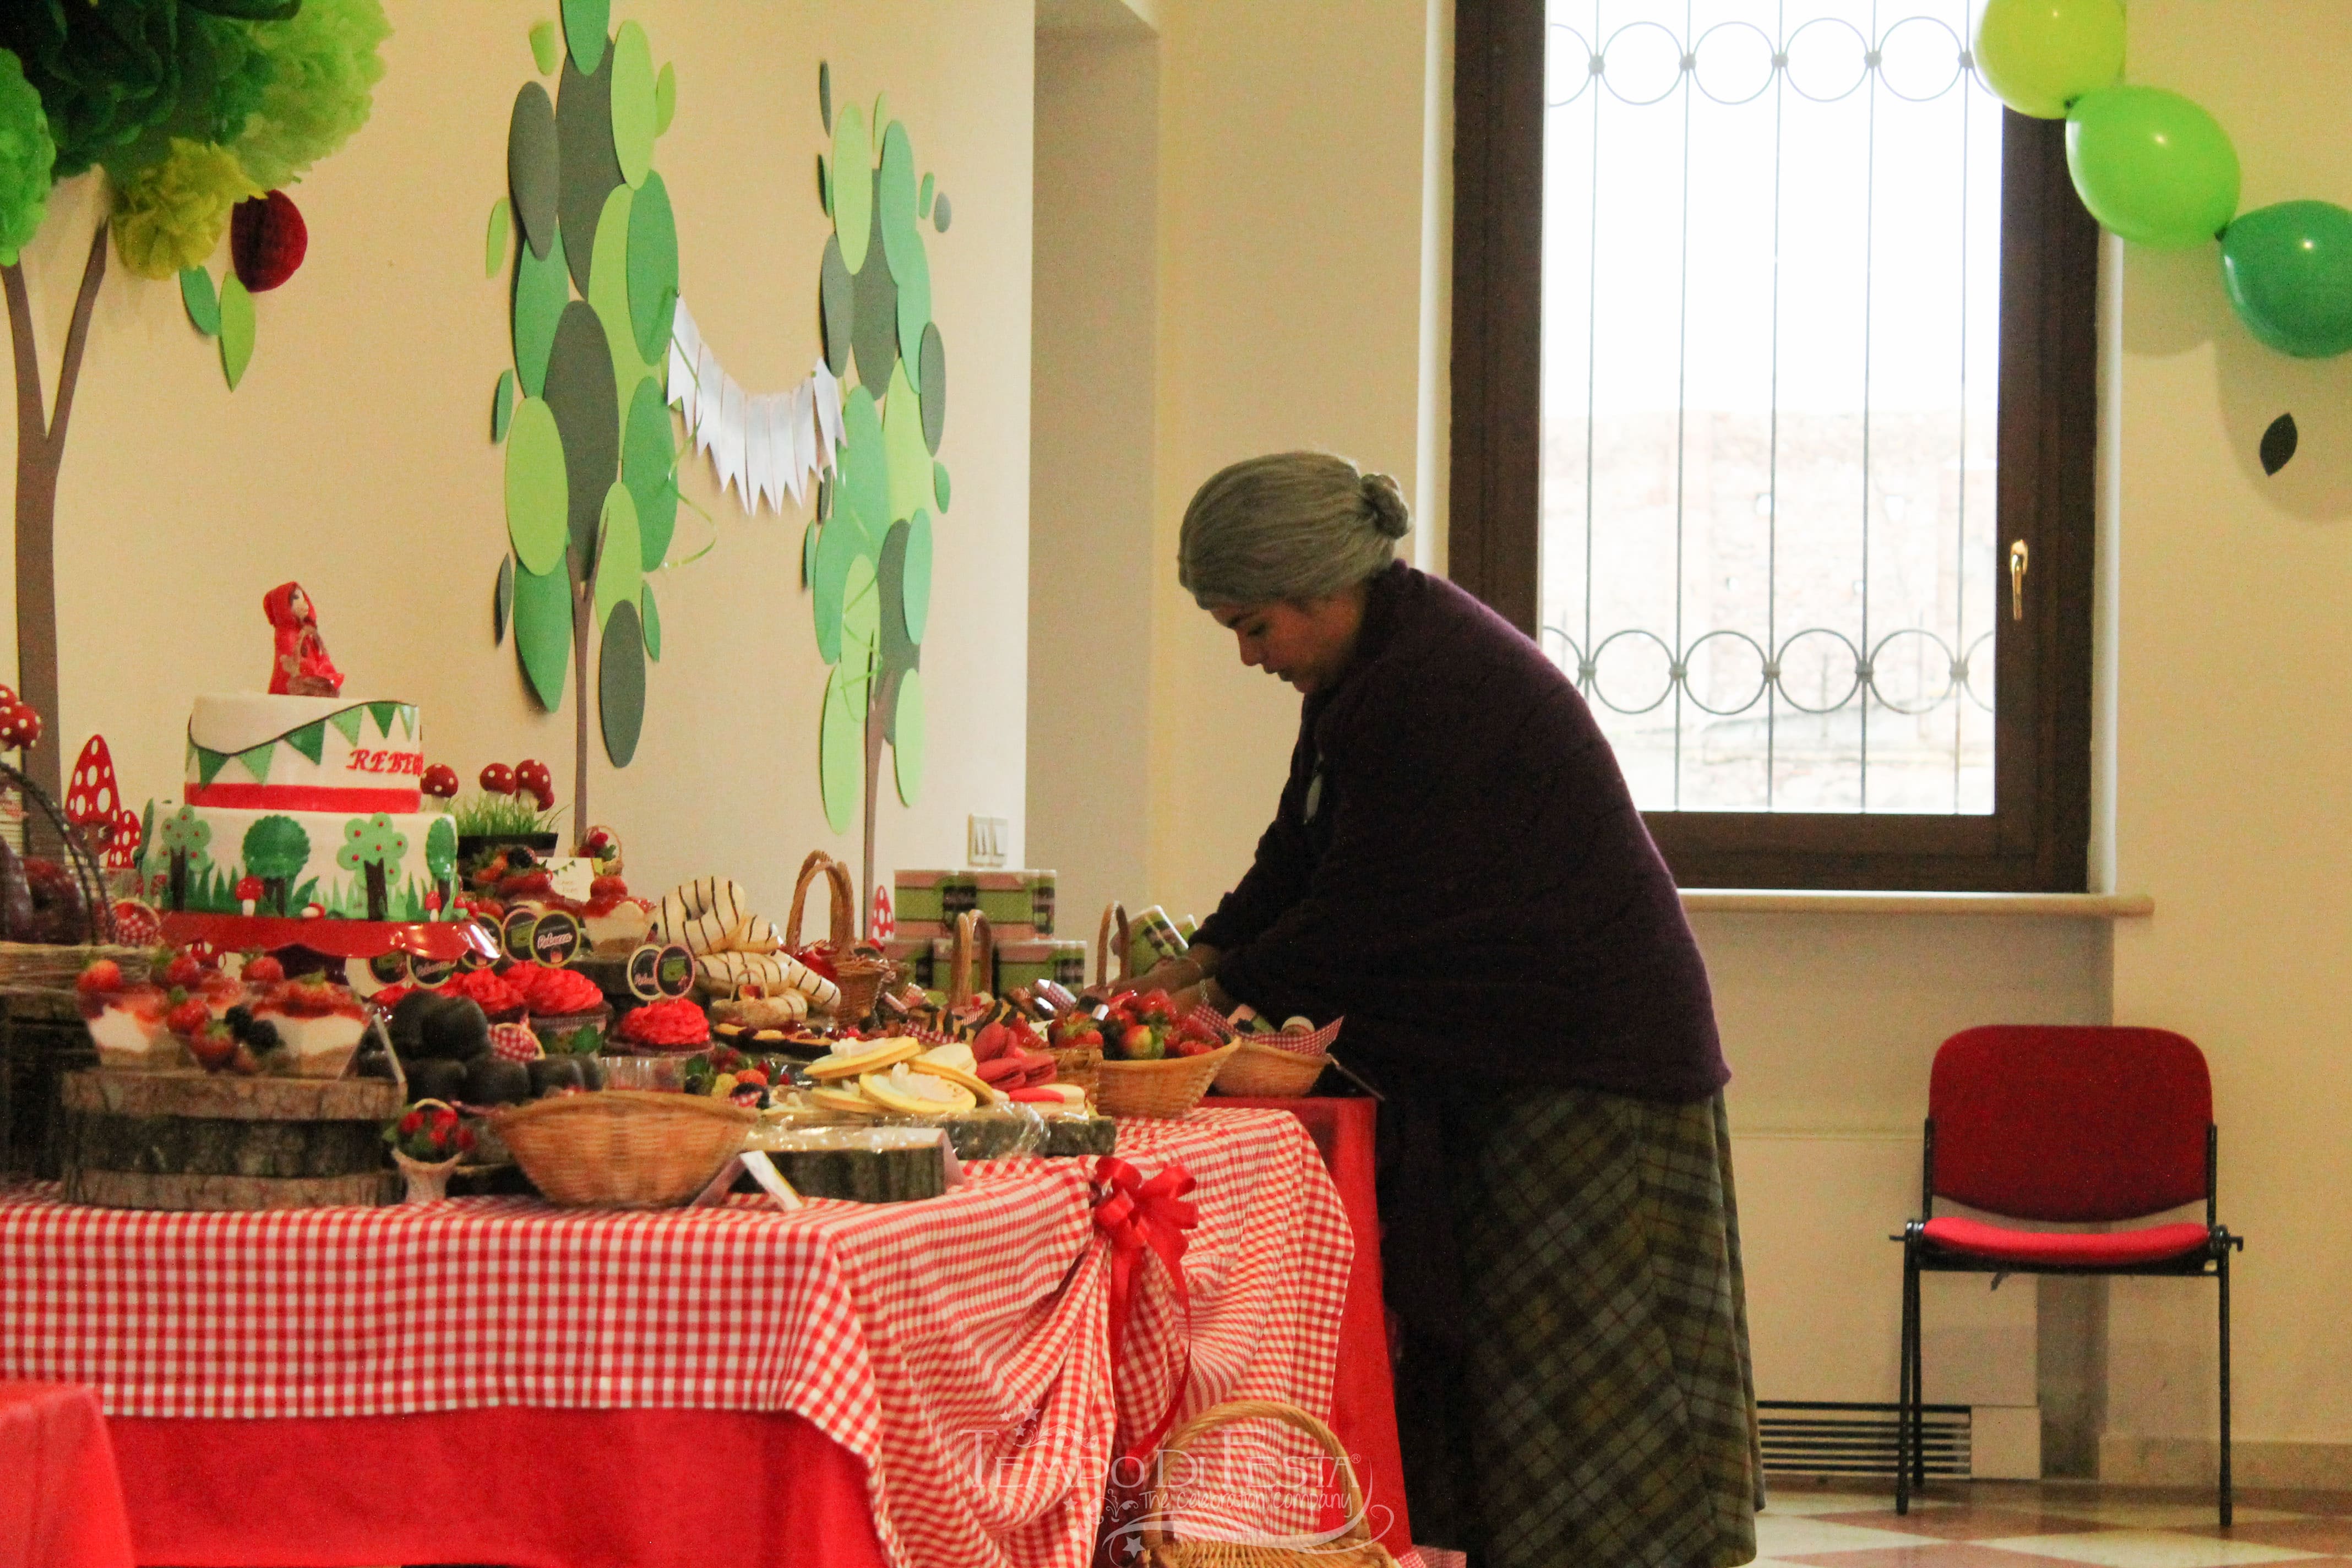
x=1305 y=642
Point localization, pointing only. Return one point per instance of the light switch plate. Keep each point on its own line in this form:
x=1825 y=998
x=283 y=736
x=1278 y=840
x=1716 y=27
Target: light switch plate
x=986 y=837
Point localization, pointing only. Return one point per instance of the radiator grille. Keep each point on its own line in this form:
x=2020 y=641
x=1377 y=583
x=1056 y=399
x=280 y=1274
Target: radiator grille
x=1825 y=1439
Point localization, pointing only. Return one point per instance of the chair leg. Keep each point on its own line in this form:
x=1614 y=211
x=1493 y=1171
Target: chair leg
x=2228 y=1499
x=1918 y=1386
x=1903 y=1383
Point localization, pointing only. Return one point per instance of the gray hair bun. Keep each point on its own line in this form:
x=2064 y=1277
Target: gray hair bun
x=1386 y=503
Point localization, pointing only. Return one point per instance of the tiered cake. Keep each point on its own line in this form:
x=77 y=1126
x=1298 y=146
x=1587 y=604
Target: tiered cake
x=303 y=805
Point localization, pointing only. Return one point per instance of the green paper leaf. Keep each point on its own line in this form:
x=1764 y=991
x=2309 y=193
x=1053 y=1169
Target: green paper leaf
x=384 y=713
x=543 y=287
x=236 y=330
x=853 y=186
x=310 y=740
x=861 y=615
x=837 y=308
x=824 y=94
x=196 y=292
x=652 y=262
x=620 y=561
x=544 y=47
x=876 y=342
x=917 y=576
x=840 y=545
x=902 y=241
x=898 y=652
x=208 y=766
x=634 y=110
x=665 y=98
x=649 y=467
x=909 y=460
x=932 y=363
x=608 y=294
x=907 y=743
x=923 y=201
x=939 y=484
x=502 y=405
x=542 y=631
x=621 y=684
x=534 y=170
x=494 y=242
x=591 y=170
x=808 y=554
x=538 y=493
x=346 y=722
x=651 y=615
x=841 y=746
x=584 y=26
x=255 y=760
x=940 y=214
x=864 y=487
x=580 y=392
x=502 y=601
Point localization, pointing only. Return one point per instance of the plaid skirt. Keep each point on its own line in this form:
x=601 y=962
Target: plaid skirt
x=1602 y=1410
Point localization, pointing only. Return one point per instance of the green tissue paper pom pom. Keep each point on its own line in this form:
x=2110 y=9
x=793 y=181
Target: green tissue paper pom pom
x=324 y=68
x=27 y=157
x=169 y=215
x=119 y=79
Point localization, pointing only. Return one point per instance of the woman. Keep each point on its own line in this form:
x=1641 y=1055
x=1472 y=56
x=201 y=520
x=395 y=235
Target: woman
x=1456 y=866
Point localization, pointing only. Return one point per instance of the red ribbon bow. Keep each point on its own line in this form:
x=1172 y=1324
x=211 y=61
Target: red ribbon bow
x=1134 y=1214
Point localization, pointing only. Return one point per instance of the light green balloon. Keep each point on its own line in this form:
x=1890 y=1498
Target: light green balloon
x=902 y=440
x=620 y=562
x=906 y=747
x=853 y=186
x=2153 y=167
x=537 y=498
x=636 y=113
x=2039 y=55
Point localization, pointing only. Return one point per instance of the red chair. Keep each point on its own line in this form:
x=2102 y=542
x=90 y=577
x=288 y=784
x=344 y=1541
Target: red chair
x=2062 y=1124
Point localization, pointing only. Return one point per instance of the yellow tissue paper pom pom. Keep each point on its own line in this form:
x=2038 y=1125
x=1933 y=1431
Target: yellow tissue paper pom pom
x=324 y=68
x=169 y=215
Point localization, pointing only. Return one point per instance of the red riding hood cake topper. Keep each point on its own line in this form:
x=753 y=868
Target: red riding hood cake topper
x=301 y=667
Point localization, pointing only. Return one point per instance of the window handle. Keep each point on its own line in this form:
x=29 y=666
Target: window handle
x=2017 y=561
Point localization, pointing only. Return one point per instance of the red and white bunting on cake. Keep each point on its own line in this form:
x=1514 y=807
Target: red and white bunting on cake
x=763 y=446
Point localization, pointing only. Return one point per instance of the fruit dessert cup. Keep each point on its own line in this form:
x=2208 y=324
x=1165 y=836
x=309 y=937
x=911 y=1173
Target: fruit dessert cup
x=127 y=1022
x=319 y=1026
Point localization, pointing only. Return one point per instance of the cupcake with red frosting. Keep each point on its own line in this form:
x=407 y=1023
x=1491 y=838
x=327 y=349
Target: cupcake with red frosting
x=661 y=1028
x=560 y=1001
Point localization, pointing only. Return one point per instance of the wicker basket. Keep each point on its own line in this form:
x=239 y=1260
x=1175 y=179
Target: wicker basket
x=975 y=957
x=1081 y=1066
x=864 y=971
x=1270 y=1071
x=1114 y=917
x=622 y=1148
x=1352 y=1548
x=1169 y=1087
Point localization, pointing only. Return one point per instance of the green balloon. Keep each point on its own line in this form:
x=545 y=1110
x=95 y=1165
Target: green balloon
x=2039 y=55
x=2288 y=271
x=2152 y=166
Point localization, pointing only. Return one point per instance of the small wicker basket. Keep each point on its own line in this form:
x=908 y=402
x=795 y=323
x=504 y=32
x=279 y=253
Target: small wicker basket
x=1114 y=917
x=622 y=1148
x=1270 y=1071
x=864 y=971
x=1169 y=1087
x=1354 y=1547
x=975 y=958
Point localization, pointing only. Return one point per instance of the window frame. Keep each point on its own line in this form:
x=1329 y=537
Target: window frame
x=2037 y=839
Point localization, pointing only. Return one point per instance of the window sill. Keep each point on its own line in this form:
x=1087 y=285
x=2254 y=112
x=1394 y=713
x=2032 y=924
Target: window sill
x=1772 y=901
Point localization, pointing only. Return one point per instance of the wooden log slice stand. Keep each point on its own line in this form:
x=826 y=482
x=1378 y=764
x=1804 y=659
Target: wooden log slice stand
x=204 y=1141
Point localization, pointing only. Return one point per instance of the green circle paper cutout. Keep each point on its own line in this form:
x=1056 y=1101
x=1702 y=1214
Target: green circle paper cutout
x=544 y=50
x=620 y=559
x=588 y=416
x=665 y=98
x=939 y=484
x=584 y=24
x=902 y=440
x=236 y=329
x=841 y=746
x=542 y=632
x=201 y=300
x=633 y=108
x=864 y=485
x=608 y=293
x=494 y=239
x=651 y=613
x=931 y=363
x=861 y=615
x=837 y=298
x=917 y=592
x=907 y=749
x=653 y=269
x=537 y=495
x=876 y=328
x=853 y=186
x=941 y=213
x=502 y=600
x=621 y=683
x=840 y=545
x=646 y=456
x=502 y=402
x=824 y=94
x=898 y=651
x=533 y=165
x=895 y=197
x=543 y=287
x=584 y=136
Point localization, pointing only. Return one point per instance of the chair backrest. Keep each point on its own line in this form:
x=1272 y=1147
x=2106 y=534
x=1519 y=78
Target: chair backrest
x=2071 y=1123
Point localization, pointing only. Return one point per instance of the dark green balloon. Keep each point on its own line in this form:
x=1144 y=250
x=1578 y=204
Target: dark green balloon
x=2288 y=271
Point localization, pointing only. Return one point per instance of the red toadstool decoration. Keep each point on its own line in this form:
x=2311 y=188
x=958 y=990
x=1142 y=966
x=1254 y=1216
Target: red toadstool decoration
x=266 y=241
x=440 y=780
x=499 y=779
x=94 y=803
x=249 y=892
x=533 y=777
x=20 y=726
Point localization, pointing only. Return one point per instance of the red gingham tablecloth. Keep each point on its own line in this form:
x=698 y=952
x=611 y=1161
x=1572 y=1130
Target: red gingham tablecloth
x=958 y=1347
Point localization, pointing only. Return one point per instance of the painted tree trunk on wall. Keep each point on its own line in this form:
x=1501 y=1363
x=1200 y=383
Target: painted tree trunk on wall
x=40 y=454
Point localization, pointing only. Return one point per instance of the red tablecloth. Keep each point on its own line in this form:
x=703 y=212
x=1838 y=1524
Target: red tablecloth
x=60 y=1502
x=1363 y=1398
x=954 y=1349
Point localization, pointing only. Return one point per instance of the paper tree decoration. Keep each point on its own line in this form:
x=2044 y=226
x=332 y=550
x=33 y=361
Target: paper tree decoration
x=867 y=558
x=591 y=463
x=190 y=107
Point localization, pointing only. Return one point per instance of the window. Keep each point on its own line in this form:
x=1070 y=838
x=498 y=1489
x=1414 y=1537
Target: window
x=1773 y=352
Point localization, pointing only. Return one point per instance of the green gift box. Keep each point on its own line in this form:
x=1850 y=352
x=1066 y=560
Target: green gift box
x=1027 y=962
x=912 y=957
x=1016 y=902
x=926 y=903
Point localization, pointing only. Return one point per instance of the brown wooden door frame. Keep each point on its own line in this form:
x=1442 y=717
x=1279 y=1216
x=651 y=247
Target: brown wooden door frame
x=2038 y=836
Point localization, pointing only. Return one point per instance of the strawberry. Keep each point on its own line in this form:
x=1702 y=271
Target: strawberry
x=100 y=978
x=184 y=970
x=411 y=1122
x=214 y=1049
x=188 y=1018
x=608 y=888
x=1140 y=1043
x=264 y=971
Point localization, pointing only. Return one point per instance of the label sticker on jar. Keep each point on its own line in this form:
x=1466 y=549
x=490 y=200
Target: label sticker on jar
x=514 y=935
x=430 y=972
x=557 y=938
x=480 y=953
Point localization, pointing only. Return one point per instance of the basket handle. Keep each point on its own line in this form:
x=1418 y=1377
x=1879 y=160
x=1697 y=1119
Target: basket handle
x=841 y=920
x=973 y=941
x=1358 y=1533
x=1114 y=913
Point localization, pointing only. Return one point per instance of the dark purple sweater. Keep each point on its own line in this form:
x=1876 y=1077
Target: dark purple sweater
x=1469 y=883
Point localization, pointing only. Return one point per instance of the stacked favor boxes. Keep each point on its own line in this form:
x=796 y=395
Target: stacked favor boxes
x=1020 y=910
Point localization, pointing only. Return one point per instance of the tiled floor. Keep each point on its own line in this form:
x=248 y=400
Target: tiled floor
x=2020 y=1524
